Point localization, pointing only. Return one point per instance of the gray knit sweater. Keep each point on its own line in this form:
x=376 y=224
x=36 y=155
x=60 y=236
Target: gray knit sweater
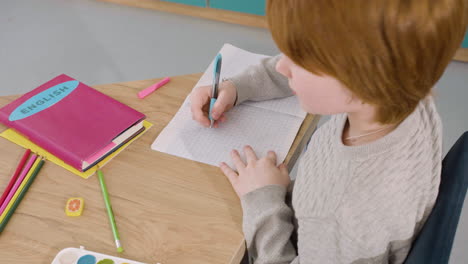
x=350 y=204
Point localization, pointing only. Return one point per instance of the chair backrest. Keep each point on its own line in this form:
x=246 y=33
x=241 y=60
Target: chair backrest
x=434 y=243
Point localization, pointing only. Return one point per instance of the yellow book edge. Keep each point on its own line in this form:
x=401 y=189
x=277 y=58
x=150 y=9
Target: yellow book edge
x=20 y=188
x=21 y=140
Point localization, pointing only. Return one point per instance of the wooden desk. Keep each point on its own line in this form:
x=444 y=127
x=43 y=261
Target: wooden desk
x=168 y=209
x=461 y=55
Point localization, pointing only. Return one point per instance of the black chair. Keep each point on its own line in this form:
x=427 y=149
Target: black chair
x=434 y=244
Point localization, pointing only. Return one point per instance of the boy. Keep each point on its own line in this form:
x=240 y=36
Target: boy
x=370 y=175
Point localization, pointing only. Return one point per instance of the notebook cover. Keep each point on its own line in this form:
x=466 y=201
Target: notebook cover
x=69 y=119
x=19 y=139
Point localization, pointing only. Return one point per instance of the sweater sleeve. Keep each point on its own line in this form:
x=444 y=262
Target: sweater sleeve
x=261 y=82
x=267 y=225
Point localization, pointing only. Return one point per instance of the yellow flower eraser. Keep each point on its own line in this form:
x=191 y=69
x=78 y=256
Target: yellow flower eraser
x=74 y=206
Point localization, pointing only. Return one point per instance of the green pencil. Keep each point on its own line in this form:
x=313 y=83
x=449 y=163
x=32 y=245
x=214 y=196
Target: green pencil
x=20 y=196
x=105 y=194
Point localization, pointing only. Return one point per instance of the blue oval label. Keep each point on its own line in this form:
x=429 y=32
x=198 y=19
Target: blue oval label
x=43 y=100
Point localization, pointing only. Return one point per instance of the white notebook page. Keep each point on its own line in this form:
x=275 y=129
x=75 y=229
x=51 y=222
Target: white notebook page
x=267 y=125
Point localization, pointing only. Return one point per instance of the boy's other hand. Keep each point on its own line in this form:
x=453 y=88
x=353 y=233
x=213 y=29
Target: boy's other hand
x=200 y=103
x=255 y=173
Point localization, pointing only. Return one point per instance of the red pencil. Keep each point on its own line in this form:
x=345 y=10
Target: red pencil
x=15 y=176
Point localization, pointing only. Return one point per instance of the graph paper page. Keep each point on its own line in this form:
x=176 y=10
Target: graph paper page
x=268 y=125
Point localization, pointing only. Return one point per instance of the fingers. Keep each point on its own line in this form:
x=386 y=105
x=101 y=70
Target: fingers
x=198 y=102
x=230 y=173
x=223 y=103
x=222 y=119
x=237 y=160
x=271 y=155
x=201 y=118
x=250 y=154
x=283 y=169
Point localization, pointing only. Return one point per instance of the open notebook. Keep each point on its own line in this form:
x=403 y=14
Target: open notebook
x=267 y=125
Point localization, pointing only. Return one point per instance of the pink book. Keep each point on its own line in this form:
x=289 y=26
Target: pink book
x=73 y=121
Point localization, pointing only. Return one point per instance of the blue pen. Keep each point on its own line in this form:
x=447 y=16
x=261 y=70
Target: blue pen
x=214 y=91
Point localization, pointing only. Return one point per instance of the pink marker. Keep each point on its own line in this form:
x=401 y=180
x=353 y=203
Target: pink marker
x=143 y=93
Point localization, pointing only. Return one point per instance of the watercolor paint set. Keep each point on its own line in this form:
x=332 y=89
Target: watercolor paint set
x=83 y=256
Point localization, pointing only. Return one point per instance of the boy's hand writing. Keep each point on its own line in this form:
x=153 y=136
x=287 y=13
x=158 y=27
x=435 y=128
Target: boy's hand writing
x=200 y=103
x=255 y=173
